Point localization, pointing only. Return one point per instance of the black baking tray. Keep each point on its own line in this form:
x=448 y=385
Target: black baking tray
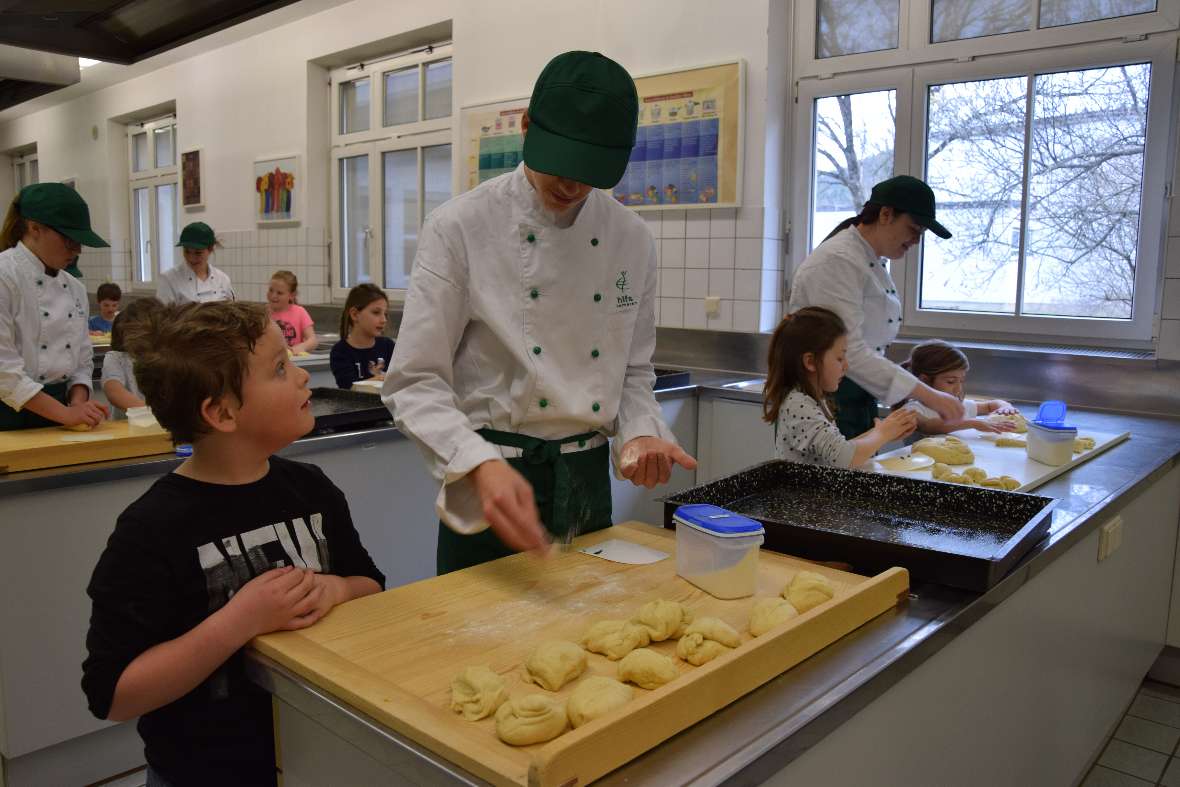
x=336 y=409
x=671 y=378
x=963 y=536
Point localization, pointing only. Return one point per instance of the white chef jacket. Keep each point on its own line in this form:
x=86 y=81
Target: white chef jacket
x=845 y=275
x=516 y=324
x=181 y=285
x=970 y=409
x=43 y=328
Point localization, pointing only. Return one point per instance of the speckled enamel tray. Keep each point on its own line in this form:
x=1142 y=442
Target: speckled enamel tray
x=966 y=537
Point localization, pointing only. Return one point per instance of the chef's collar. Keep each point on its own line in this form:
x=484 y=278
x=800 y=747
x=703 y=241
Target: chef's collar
x=534 y=208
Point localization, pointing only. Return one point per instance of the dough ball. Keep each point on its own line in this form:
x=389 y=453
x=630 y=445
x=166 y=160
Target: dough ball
x=768 y=613
x=476 y=692
x=695 y=649
x=959 y=478
x=948 y=450
x=615 y=638
x=1016 y=419
x=663 y=619
x=807 y=590
x=535 y=718
x=555 y=663
x=1011 y=442
x=1081 y=444
x=992 y=483
x=78 y=428
x=647 y=669
x=940 y=471
x=597 y=696
x=976 y=474
x=1005 y=482
x=1010 y=483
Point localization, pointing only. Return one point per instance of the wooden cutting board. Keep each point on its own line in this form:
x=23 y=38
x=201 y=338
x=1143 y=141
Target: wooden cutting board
x=393 y=655
x=1010 y=461
x=53 y=446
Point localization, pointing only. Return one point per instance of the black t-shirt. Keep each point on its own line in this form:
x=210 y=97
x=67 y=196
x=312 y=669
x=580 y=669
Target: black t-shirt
x=350 y=364
x=177 y=555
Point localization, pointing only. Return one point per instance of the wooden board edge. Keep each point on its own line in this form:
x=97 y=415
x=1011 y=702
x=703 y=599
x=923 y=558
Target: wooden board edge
x=577 y=757
x=98 y=451
x=400 y=711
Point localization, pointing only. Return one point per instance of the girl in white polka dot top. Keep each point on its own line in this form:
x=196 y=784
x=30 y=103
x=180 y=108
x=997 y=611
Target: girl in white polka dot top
x=806 y=363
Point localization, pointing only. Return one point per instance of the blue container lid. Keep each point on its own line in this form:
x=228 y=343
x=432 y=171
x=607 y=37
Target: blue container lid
x=1051 y=415
x=717 y=520
x=184 y=450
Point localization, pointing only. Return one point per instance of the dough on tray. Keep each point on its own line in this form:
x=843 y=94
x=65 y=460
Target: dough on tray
x=596 y=696
x=615 y=638
x=1016 y=419
x=1011 y=442
x=947 y=449
x=768 y=613
x=555 y=663
x=647 y=669
x=476 y=692
x=663 y=619
x=1005 y=482
x=940 y=471
x=706 y=639
x=976 y=474
x=807 y=590
x=534 y=718
x=1081 y=444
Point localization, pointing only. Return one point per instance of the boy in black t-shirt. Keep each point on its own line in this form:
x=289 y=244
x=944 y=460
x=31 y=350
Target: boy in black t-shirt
x=234 y=543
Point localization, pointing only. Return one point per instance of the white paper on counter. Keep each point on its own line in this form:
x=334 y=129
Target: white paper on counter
x=619 y=551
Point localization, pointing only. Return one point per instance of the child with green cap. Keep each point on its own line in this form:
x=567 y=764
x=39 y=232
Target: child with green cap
x=46 y=358
x=197 y=281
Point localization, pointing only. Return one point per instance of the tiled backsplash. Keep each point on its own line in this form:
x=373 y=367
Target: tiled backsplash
x=1169 y=338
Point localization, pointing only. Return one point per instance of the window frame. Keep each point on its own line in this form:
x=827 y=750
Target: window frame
x=152 y=179
x=24 y=160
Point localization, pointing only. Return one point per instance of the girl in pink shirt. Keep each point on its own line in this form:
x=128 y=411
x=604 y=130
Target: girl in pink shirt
x=293 y=319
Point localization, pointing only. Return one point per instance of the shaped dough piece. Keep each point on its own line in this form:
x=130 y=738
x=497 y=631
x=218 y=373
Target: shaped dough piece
x=976 y=474
x=948 y=450
x=706 y=639
x=1011 y=442
x=1081 y=444
x=476 y=692
x=1016 y=419
x=615 y=638
x=597 y=696
x=555 y=663
x=940 y=471
x=535 y=718
x=647 y=669
x=959 y=478
x=1005 y=482
x=809 y=589
x=768 y=613
x=663 y=619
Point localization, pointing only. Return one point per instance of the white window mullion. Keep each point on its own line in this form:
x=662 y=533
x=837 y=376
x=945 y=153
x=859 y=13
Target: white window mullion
x=1029 y=98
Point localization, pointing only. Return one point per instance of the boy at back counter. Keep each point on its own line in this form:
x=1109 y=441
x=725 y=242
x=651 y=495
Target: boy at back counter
x=234 y=543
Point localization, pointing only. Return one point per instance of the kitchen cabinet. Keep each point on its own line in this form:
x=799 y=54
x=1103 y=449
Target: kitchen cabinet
x=731 y=436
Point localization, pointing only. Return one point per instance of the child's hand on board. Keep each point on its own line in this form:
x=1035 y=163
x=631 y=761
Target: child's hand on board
x=899 y=424
x=281 y=599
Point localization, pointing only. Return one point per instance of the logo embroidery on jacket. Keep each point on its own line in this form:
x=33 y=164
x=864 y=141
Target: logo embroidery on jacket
x=623 y=300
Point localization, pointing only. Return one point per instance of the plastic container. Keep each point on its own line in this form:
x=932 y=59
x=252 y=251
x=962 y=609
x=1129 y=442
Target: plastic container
x=141 y=418
x=717 y=550
x=1050 y=438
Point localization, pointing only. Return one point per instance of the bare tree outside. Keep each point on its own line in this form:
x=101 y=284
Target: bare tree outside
x=1069 y=12
x=849 y=27
x=956 y=19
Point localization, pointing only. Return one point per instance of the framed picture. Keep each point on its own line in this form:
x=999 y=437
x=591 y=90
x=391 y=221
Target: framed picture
x=277 y=182
x=192 y=189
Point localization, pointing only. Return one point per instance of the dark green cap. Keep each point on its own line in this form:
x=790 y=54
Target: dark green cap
x=58 y=206
x=197 y=235
x=909 y=195
x=582 y=119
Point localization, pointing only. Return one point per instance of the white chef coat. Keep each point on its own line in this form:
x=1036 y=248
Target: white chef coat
x=514 y=323
x=845 y=275
x=970 y=409
x=43 y=328
x=181 y=285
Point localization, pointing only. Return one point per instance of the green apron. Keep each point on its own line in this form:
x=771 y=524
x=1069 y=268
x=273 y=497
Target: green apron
x=855 y=409
x=11 y=420
x=572 y=491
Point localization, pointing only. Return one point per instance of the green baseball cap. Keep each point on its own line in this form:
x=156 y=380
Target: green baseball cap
x=58 y=206
x=197 y=235
x=582 y=119
x=909 y=195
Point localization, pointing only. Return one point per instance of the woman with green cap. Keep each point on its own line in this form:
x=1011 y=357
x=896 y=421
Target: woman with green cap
x=197 y=281
x=529 y=328
x=46 y=359
x=848 y=274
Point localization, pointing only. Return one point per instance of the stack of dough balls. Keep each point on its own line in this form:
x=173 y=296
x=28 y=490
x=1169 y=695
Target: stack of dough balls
x=647 y=669
x=596 y=696
x=948 y=450
x=705 y=639
x=555 y=663
x=534 y=718
x=477 y=692
x=972 y=476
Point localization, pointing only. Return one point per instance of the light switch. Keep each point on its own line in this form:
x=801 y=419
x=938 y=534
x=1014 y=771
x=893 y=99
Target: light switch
x=1110 y=538
x=712 y=306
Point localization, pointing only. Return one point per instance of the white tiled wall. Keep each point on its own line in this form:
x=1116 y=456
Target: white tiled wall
x=719 y=252
x=1169 y=339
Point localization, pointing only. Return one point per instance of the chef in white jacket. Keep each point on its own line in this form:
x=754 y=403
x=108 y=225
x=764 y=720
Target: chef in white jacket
x=197 y=281
x=46 y=358
x=848 y=274
x=528 y=331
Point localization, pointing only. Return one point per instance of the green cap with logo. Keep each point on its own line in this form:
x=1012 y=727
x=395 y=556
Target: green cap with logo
x=58 y=206
x=909 y=195
x=197 y=235
x=582 y=119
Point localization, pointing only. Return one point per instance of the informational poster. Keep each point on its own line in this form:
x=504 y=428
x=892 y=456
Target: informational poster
x=687 y=146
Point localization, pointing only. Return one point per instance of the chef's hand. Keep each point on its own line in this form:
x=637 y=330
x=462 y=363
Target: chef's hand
x=647 y=461
x=281 y=599
x=509 y=506
x=88 y=413
x=948 y=406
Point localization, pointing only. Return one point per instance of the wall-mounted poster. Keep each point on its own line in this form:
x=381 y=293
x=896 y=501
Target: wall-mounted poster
x=191 y=182
x=276 y=181
x=688 y=145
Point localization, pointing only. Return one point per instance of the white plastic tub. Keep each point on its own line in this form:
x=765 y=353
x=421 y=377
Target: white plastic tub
x=717 y=550
x=142 y=419
x=1050 y=446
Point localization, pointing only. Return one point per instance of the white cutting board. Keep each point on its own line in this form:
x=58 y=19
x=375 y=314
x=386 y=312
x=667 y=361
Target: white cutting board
x=999 y=461
x=369 y=386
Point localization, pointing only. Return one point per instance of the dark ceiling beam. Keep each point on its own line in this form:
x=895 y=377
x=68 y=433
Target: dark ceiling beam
x=251 y=11
x=67 y=41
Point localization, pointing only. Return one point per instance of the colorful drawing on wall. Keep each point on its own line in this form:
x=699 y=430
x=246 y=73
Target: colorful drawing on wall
x=191 y=185
x=495 y=144
x=275 y=184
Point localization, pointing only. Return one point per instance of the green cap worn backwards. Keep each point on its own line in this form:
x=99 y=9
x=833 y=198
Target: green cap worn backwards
x=197 y=235
x=909 y=195
x=582 y=119
x=58 y=206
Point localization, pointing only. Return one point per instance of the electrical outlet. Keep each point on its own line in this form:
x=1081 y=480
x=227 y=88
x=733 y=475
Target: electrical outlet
x=712 y=305
x=1110 y=538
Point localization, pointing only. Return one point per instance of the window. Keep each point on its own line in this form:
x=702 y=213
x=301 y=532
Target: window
x=25 y=170
x=391 y=164
x=154 y=197
x=1040 y=161
x=849 y=27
